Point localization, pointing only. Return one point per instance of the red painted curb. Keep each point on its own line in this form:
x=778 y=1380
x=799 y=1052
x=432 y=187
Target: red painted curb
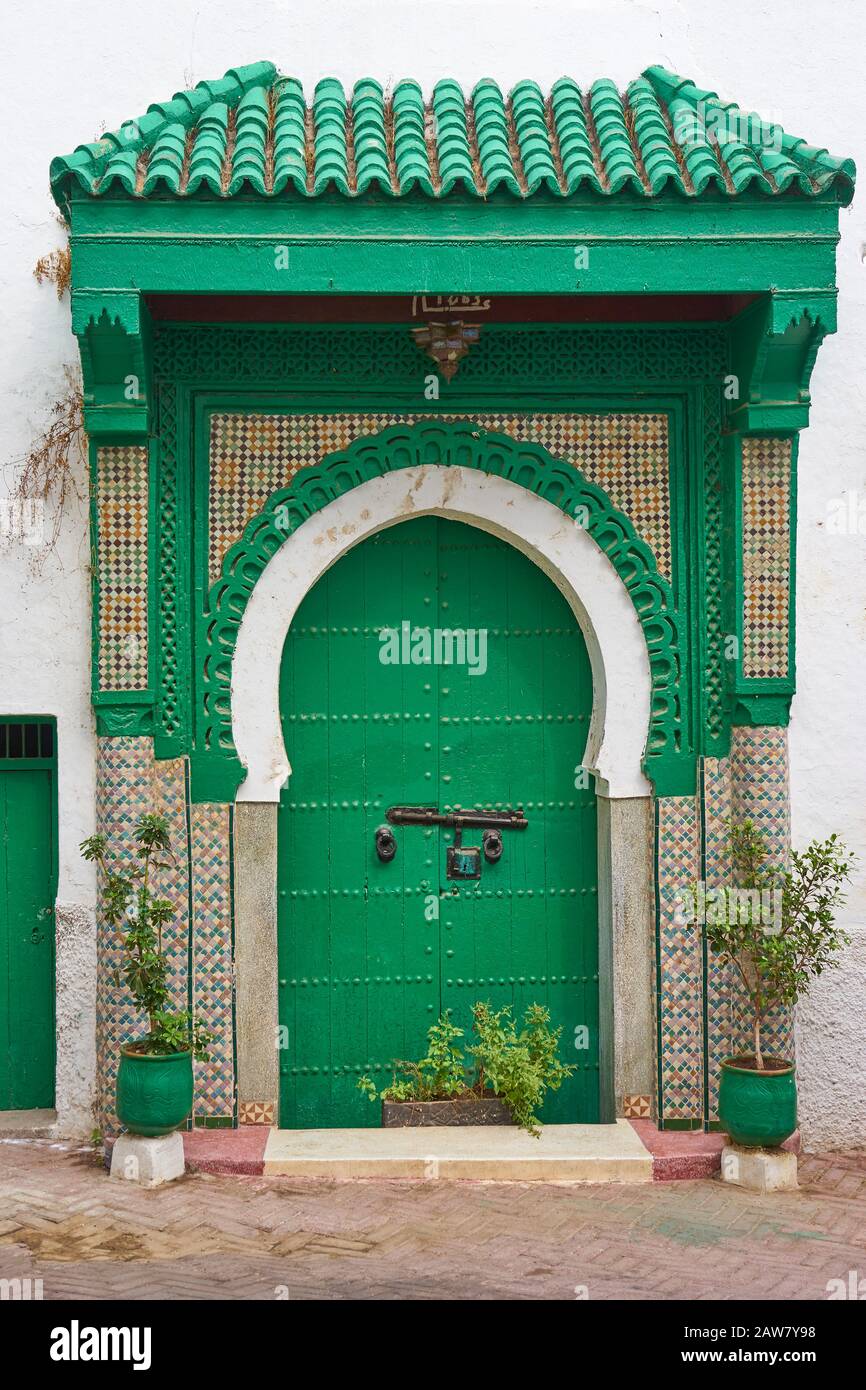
x=679 y=1154
x=238 y=1151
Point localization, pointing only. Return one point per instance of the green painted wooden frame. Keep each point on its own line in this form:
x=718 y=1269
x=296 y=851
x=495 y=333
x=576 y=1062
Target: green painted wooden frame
x=678 y=369
x=672 y=369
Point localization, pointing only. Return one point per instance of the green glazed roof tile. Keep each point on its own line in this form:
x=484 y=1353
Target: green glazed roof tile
x=166 y=160
x=252 y=131
x=290 y=160
x=533 y=138
x=209 y=149
x=369 y=137
x=652 y=137
x=491 y=132
x=252 y=126
x=452 y=138
x=572 y=133
x=411 y=155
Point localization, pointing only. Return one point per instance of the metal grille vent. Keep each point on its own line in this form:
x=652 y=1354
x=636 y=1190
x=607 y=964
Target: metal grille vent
x=26 y=738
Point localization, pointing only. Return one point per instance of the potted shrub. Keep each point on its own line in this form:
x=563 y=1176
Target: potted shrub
x=504 y=1083
x=778 y=937
x=154 y=1078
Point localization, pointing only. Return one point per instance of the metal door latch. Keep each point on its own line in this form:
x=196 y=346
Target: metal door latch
x=461 y=861
x=470 y=820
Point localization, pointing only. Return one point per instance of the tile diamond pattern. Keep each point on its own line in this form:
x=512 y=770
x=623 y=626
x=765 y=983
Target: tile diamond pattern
x=679 y=984
x=766 y=556
x=121 y=506
x=725 y=1003
x=213 y=981
x=759 y=771
x=129 y=784
x=253 y=456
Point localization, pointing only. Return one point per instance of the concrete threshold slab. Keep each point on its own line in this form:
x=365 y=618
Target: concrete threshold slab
x=27 y=1124
x=562 y=1153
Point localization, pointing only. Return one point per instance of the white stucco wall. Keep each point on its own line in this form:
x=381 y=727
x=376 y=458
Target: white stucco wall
x=72 y=71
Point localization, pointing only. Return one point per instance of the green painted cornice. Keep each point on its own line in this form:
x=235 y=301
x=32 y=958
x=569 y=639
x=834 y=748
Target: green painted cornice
x=113 y=331
x=758 y=707
x=124 y=713
x=774 y=344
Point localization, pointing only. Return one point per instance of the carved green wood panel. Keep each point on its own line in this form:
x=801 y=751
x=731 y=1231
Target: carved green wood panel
x=371 y=952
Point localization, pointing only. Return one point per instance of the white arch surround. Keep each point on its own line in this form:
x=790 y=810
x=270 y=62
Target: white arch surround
x=565 y=551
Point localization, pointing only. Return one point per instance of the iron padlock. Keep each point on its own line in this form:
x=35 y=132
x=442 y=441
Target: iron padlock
x=463 y=861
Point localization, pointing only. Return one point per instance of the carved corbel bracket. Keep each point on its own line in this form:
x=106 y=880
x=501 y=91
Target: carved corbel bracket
x=113 y=331
x=774 y=344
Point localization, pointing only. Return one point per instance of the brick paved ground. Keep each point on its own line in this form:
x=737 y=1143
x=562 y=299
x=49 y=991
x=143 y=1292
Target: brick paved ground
x=87 y=1237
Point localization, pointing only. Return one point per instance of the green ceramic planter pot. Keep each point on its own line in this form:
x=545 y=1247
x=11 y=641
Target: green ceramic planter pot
x=154 y=1093
x=758 y=1108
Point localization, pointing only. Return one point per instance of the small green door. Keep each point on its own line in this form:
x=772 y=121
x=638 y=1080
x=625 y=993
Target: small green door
x=371 y=952
x=27 y=878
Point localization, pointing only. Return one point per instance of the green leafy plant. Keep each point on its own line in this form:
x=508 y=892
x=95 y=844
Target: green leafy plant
x=139 y=917
x=440 y=1074
x=520 y=1067
x=777 y=960
x=517 y=1067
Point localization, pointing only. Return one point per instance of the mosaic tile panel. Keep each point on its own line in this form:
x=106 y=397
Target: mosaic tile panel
x=679 y=982
x=766 y=523
x=129 y=784
x=760 y=791
x=168 y=782
x=253 y=456
x=725 y=1000
x=212 y=955
x=759 y=772
x=121 y=506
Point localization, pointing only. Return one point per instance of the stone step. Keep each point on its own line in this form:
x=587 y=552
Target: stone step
x=562 y=1153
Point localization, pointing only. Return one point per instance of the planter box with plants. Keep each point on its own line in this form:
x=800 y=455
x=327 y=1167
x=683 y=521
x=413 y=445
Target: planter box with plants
x=504 y=1082
x=778 y=937
x=154 y=1078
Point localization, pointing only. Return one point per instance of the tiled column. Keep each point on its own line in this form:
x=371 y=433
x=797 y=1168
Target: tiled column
x=759 y=774
x=121 y=570
x=129 y=784
x=679 y=966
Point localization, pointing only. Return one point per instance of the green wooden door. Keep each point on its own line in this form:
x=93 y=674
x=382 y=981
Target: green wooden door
x=27 y=872
x=371 y=952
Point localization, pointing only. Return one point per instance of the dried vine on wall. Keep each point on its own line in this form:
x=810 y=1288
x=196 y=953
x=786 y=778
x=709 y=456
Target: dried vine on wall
x=48 y=474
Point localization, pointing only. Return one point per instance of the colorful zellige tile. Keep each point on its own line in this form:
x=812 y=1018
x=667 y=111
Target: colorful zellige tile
x=766 y=556
x=679 y=984
x=253 y=456
x=121 y=507
x=128 y=785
